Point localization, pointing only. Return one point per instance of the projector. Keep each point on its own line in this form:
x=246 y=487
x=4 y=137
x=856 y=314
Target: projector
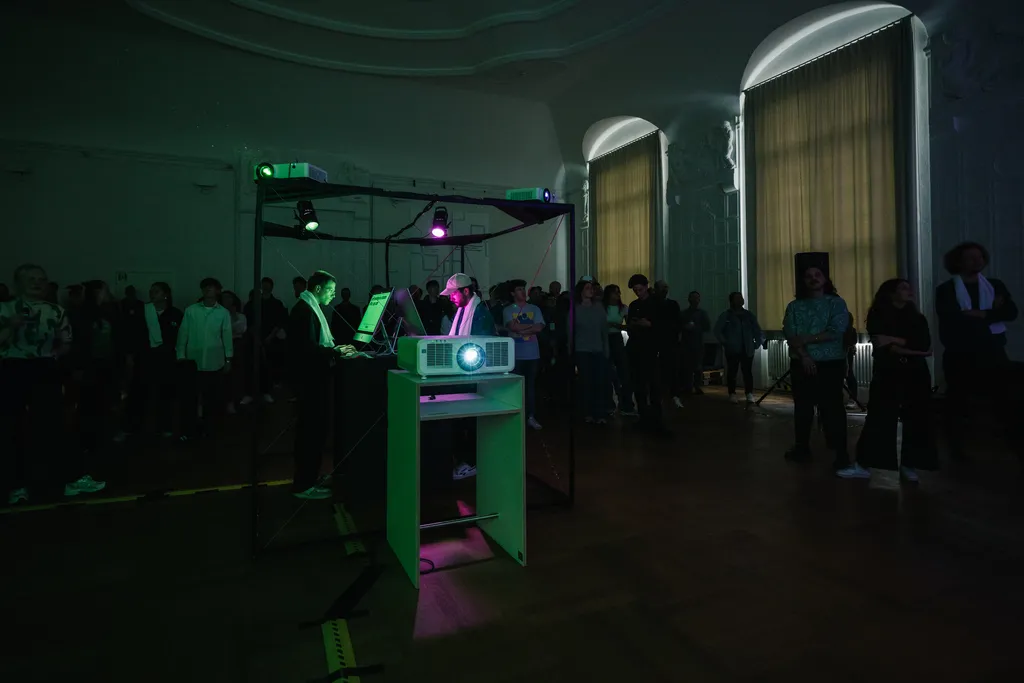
x=529 y=194
x=269 y=171
x=453 y=356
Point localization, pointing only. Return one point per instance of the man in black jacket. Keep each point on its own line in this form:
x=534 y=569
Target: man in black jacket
x=643 y=322
x=311 y=357
x=972 y=311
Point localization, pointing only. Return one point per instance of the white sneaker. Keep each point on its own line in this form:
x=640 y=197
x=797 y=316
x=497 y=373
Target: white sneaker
x=750 y=397
x=532 y=422
x=854 y=471
x=629 y=413
x=733 y=398
x=910 y=474
x=463 y=471
x=677 y=401
x=231 y=409
x=267 y=398
x=85 y=484
x=246 y=400
x=314 y=493
x=17 y=496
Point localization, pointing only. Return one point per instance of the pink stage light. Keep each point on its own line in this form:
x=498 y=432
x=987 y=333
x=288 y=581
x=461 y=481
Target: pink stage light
x=438 y=231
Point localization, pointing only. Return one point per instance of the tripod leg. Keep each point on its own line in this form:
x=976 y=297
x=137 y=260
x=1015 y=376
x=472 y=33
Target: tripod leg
x=772 y=388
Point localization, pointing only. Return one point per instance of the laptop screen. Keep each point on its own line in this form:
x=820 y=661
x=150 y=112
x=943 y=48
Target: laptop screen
x=371 y=318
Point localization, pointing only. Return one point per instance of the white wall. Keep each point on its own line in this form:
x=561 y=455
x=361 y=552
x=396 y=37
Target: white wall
x=147 y=134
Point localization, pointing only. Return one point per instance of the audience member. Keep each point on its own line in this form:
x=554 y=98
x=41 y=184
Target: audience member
x=642 y=319
x=695 y=324
x=346 y=318
x=298 y=287
x=273 y=318
x=739 y=333
x=669 y=338
x=34 y=333
x=133 y=322
x=205 y=346
x=590 y=346
x=99 y=334
x=153 y=381
x=619 y=368
x=431 y=309
x=901 y=389
x=236 y=383
x=524 y=322
x=814 y=324
x=972 y=314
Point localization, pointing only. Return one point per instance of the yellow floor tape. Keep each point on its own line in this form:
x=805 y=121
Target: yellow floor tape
x=338 y=646
x=347 y=527
x=140 y=496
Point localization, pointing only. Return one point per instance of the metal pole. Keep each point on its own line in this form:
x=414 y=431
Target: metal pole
x=570 y=286
x=257 y=349
x=462 y=259
x=458 y=520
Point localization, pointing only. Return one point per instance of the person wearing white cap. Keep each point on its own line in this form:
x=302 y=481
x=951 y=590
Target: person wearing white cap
x=470 y=317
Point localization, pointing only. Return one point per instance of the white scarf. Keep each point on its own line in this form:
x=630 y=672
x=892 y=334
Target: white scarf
x=326 y=338
x=986 y=297
x=462 y=325
x=156 y=337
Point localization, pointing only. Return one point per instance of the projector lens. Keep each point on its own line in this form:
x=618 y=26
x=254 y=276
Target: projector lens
x=547 y=195
x=265 y=170
x=470 y=357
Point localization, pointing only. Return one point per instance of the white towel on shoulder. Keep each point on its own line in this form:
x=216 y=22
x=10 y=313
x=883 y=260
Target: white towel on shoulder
x=326 y=338
x=464 y=318
x=156 y=337
x=986 y=297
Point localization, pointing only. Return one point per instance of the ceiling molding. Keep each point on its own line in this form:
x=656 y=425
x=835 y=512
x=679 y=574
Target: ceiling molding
x=419 y=70
x=452 y=33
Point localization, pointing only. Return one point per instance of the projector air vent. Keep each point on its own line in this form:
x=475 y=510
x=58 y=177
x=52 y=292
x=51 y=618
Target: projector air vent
x=439 y=355
x=496 y=354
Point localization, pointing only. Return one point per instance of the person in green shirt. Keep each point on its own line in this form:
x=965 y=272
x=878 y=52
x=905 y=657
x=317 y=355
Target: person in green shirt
x=814 y=325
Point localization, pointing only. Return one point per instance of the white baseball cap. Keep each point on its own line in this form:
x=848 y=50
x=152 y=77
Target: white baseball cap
x=457 y=282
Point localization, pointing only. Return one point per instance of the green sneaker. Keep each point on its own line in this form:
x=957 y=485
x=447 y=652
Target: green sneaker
x=85 y=484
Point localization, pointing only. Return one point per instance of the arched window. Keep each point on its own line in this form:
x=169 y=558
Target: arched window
x=624 y=216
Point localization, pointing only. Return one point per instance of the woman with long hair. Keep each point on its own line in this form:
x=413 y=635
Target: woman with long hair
x=590 y=346
x=97 y=359
x=615 y=314
x=239 y=325
x=900 y=387
x=814 y=325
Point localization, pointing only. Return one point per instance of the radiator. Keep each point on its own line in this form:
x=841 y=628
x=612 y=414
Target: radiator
x=777 y=362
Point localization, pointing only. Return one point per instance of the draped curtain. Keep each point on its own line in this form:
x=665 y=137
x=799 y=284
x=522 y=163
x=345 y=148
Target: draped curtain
x=624 y=200
x=829 y=146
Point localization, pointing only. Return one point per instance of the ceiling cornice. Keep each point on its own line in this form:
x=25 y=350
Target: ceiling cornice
x=342 y=63
x=452 y=33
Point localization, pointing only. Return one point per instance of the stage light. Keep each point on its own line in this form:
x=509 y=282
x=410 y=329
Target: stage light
x=439 y=226
x=306 y=214
x=265 y=170
x=470 y=357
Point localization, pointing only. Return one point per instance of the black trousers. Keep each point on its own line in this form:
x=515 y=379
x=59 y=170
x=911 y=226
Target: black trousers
x=735 y=362
x=98 y=394
x=313 y=393
x=899 y=389
x=32 y=420
x=980 y=378
x=824 y=389
x=646 y=376
x=691 y=368
x=199 y=386
x=153 y=385
x=851 y=377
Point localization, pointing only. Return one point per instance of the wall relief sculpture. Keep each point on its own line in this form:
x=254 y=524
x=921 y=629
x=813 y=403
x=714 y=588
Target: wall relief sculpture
x=977 y=60
x=704 y=158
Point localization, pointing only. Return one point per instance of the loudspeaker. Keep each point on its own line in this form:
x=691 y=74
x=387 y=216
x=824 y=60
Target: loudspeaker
x=809 y=259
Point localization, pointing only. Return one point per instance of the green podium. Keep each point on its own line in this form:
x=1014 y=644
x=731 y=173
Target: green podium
x=497 y=405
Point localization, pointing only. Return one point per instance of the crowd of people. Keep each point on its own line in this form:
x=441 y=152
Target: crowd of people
x=127 y=367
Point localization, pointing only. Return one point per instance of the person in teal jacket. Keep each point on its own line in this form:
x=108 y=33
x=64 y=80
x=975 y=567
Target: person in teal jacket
x=814 y=325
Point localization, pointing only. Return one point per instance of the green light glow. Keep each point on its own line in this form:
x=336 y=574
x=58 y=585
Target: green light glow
x=266 y=170
x=312 y=225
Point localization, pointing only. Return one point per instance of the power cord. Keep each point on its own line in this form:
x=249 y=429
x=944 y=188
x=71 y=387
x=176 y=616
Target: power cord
x=430 y=566
x=387 y=241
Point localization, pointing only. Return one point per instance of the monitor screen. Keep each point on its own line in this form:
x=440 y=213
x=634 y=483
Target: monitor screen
x=412 y=324
x=371 y=318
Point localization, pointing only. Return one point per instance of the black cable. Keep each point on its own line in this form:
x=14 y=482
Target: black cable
x=387 y=242
x=429 y=562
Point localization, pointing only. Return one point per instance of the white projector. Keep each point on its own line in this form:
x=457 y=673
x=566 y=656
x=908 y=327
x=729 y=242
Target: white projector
x=267 y=171
x=441 y=356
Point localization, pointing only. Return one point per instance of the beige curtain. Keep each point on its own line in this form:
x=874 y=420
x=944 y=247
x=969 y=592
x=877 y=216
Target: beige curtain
x=824 y=149
x=624 y=206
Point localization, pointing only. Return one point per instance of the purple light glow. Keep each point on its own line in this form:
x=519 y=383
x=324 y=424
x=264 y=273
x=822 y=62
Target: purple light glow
x=438 y=232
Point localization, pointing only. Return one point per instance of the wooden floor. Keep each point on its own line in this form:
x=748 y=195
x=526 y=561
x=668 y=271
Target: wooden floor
x=702 y=558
